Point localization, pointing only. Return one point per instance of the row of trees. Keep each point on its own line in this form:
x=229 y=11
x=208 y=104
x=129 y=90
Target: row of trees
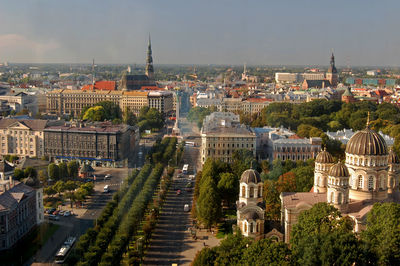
x=119 y=220
x=75 y=191
x=148 y=119
x=217 y=184
x=320 y=237
x=63 y=171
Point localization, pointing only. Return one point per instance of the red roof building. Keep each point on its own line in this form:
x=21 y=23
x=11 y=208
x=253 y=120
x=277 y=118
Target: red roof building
x=104 y=85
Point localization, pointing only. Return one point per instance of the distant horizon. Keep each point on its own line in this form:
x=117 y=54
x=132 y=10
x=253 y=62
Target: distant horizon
x=203 y=65
x=221 y=32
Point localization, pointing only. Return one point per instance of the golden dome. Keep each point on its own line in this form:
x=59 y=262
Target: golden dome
x=324 y=157
x=367 y=142
x=339 y=170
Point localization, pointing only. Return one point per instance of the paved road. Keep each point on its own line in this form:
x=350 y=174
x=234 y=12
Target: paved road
x=168 y=239
x=77 y=225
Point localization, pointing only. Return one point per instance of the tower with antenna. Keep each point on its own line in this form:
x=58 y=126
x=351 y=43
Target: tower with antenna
x=93 y=75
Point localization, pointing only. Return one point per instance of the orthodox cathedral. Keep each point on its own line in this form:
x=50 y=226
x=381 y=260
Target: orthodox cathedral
x=369 y=174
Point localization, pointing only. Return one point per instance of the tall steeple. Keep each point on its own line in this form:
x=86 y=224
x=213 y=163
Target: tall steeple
x=149 y=62
x=332 y=74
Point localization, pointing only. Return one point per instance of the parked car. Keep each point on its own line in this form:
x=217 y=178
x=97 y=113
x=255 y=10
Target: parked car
x=67 y=213
x=54 y=217
x=56 y=212
x=186 y=208
x=108 y=176
x=178 y=192
x=61 y=212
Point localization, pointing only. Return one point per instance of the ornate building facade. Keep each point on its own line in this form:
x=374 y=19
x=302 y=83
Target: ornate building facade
x=370 y=174
x=250 y=207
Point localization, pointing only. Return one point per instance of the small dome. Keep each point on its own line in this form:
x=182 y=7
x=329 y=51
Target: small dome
x=251 y=215
x=339 y=170
x=367 y=142
x=393 y=158
x=250 y=176
x=324 y=157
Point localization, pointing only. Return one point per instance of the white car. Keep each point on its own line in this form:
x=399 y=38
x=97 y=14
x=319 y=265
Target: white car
x=67 y=213
x=107 y=176
x=186 y=208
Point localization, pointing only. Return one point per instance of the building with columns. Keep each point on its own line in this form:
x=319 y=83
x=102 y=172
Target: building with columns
x=369 y=174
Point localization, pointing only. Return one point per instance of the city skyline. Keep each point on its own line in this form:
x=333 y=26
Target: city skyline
x=221 y=33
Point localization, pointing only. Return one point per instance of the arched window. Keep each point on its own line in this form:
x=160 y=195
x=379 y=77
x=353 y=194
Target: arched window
x=257 y=230
x=259 y=191
x=391 y=183
x=382 y=183
x=370 y=182
x=332 y=197
x=245 y=227
x=360 y=181
x=340 y=198
x=243 y=191
x=251 y=227
x=251 y=192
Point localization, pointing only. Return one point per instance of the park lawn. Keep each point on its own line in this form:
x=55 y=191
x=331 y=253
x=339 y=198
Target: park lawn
x=30 y=244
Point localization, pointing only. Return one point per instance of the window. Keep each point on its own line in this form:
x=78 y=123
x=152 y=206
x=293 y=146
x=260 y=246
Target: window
x=382 y=184
x=245 y=227
x=251 y=192
x=243 y=191
x=340 y=198
x=332 y=196
x=360 y=182
x=251 y=227
x=371 y=182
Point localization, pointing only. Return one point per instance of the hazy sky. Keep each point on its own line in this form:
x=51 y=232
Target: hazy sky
x=302 y=32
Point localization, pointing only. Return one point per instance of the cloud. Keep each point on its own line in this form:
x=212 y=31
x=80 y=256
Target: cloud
x=18 y=47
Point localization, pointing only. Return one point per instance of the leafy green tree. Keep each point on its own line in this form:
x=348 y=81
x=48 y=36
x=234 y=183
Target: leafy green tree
x=63 y=170
x=59 y=186
x=312 y=226
x=230 y=251
x=304 y=178
x=18 y=174
x=209 y=203
x=50 y=191
x=30 y=172
x=42 y=175
x=128 y=117
x=228 y=187
x=206 y=256
x=53 y=171
x=382 y=235
x=95 y=113
x=266 y=252
x=73 y=168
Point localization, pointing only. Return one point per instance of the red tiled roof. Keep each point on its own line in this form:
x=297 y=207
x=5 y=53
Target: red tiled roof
x=151 y=88
x=294 y=136
x=102 y=85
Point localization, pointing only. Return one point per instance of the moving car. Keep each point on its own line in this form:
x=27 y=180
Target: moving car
x=108 y=176
x=106 y=188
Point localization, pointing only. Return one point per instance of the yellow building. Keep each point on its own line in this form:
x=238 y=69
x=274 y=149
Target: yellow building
x=22 y=137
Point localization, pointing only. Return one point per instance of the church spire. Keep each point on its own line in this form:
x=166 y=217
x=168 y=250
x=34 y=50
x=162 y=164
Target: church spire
x=149 y=62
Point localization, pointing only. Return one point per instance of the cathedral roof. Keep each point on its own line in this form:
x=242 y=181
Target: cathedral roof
x=324 y=157
x=250 y=176
x=393 y=158
x=367 y=142
x=339 y=170
x=251 y=215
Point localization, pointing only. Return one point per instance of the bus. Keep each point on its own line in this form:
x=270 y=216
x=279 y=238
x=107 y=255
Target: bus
x=185 y=169
x=63 y=252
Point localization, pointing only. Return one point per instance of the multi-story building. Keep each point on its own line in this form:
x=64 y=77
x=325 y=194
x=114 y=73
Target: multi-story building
x=73 y=101
x=98 y=143
x=287 y=77
x=222 y=135
x=20 y=211
x=295 y=149
x=17 y=101
x=235 y=105
x=22 y=137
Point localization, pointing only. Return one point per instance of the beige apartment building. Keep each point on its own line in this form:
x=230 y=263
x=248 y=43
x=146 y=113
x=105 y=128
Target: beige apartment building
x=22 y=137
x=73 y=101
x=222 y=135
